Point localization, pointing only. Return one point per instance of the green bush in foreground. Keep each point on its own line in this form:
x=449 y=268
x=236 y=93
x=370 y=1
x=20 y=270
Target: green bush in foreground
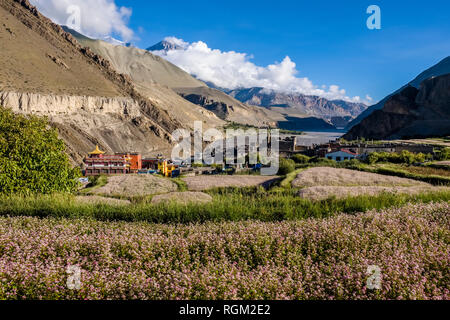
x=32 y=157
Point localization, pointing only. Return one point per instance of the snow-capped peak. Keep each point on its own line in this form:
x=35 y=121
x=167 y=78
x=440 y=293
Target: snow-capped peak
x=116 y=42
x=168 y=44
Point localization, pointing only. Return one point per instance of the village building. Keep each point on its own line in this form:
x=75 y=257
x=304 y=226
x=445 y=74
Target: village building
x=289 y=146
x=98 y=163
x=135 y=161
x=150 y=163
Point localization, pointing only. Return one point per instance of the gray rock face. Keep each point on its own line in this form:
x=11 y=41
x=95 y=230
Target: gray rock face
x=411 y=113
x=443 y=67
x=293 y=104
x=56 y=105
x=164 y=46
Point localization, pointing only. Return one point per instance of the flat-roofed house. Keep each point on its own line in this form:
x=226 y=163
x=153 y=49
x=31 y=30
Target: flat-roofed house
x=97 y=163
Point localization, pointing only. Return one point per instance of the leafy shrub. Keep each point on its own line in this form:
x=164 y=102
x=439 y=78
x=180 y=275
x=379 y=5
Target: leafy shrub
x=405 y=157
x=443 y=154
x=286 y=166
x=301 y=158
x=32 y=157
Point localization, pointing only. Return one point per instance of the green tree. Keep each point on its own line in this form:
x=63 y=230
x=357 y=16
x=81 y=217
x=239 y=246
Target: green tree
x=407 y=157
x=32 y=157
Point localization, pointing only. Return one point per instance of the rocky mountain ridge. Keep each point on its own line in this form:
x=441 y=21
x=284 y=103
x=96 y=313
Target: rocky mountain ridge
x=155 y=79
x=299 y=105
x=410 y=113
x=227 y=108
x=441 y=68
x=164 y=46
x=42 y=66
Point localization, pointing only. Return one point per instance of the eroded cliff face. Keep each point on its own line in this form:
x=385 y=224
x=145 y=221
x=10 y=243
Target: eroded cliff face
x=115 y=124
x=411 y=113
x=53 y=105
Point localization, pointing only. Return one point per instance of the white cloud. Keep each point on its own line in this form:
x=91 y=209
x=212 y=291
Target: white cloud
x=97 y=18
x=234 y=70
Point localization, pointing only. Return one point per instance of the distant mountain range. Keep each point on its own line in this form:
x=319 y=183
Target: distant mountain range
x=127 y=99
x=336 y=113
x=166 y=83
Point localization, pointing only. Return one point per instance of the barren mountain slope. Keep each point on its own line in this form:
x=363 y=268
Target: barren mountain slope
x=153 y=77
x=141 y=65
x=411 y=113
x=37 y=59
x=44 y=70
x=441 y=68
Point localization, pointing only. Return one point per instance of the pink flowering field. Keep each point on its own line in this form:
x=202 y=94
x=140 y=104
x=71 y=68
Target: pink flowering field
x=308 y=259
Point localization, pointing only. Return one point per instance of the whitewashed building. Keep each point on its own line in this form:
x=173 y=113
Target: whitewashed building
x=341 y=155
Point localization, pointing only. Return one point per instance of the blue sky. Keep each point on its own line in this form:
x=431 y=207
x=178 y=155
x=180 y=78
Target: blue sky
x=328 y=40
x=328 y=45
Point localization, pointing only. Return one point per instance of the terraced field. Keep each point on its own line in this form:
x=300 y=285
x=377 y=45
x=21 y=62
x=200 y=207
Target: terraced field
x=324 y=182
